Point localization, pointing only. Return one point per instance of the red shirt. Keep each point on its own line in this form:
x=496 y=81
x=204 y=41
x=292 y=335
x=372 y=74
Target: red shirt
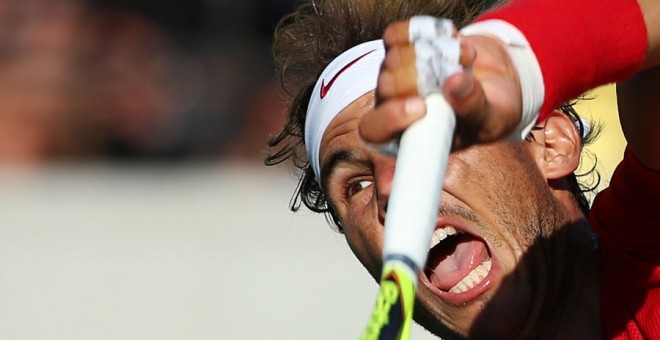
x=626 y=217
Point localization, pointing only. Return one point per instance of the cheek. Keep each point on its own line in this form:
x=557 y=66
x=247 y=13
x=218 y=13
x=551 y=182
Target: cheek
x=521 y=198
x=505 y=188
x=364 y=237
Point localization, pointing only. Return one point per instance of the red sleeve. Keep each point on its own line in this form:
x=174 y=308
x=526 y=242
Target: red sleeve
x=579 y=44
x=626 y=216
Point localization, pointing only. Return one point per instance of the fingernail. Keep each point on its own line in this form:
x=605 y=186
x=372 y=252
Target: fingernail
x=463 y=88
x=415 y=106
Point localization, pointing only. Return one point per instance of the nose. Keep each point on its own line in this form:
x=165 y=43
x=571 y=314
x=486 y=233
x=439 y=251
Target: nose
x=383 y=175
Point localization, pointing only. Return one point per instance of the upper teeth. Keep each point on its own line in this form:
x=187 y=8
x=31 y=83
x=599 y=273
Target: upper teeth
x=441 y=234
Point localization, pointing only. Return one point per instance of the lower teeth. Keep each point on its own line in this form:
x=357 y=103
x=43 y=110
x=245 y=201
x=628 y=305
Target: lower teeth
x=474 y=278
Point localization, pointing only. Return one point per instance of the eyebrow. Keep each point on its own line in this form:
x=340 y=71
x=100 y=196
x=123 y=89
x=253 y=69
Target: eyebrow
x=331 y=164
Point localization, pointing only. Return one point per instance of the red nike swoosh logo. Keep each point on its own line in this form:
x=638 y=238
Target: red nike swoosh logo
x=325 y=89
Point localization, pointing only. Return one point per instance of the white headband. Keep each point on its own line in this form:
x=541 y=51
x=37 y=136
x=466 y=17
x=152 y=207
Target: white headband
x=347 y=78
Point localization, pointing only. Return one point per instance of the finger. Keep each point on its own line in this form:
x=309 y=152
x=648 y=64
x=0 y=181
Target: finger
x=391 y=118
x=468 y=99
x=397 y=82
x=400 y=56
x=477 y=119
x=396 y=34
x=462 y=91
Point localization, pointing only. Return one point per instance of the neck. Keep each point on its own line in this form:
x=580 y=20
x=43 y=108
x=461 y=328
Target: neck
x=574 y=304
x=557 y=297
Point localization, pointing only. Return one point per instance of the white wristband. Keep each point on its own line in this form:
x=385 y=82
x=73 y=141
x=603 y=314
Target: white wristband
x=526 y=64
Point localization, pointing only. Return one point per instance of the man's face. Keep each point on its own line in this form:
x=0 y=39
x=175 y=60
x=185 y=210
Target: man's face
x=485 y=274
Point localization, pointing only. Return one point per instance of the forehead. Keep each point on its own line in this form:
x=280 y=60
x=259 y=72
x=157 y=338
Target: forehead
x=342 y=132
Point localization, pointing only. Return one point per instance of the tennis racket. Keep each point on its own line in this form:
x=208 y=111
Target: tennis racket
x=421 y=164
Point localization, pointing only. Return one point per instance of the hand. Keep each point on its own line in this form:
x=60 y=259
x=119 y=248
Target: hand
x=487 y=99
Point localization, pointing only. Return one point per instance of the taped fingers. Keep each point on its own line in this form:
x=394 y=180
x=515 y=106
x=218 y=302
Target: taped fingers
x=420 y=27
x=428 y=55
x=422 y=54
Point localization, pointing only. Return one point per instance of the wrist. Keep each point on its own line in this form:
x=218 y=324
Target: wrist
x=575 y=54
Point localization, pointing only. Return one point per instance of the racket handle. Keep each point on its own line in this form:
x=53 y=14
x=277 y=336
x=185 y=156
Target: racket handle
x=417 y=184
x=412 y=211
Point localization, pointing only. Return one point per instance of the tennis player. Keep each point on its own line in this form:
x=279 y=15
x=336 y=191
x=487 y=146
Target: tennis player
x=517 y=251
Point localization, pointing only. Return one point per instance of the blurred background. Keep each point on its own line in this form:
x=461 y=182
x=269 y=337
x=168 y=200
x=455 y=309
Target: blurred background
x=133 y=199
x=137 y=80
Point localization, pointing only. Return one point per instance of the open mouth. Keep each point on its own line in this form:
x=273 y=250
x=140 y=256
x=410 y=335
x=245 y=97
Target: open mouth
x=458 y=264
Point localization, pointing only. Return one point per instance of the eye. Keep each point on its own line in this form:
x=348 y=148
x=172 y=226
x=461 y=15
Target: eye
x=355 y=186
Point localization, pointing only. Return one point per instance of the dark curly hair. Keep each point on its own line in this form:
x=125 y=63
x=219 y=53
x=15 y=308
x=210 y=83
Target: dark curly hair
x=307 y=40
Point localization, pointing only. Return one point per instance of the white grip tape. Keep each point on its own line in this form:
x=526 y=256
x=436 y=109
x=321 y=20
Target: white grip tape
x=437 y=52
x=435 y=61
x=424 y=27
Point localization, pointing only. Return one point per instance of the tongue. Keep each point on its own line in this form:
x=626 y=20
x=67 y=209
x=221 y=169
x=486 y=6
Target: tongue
x=453 y=259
